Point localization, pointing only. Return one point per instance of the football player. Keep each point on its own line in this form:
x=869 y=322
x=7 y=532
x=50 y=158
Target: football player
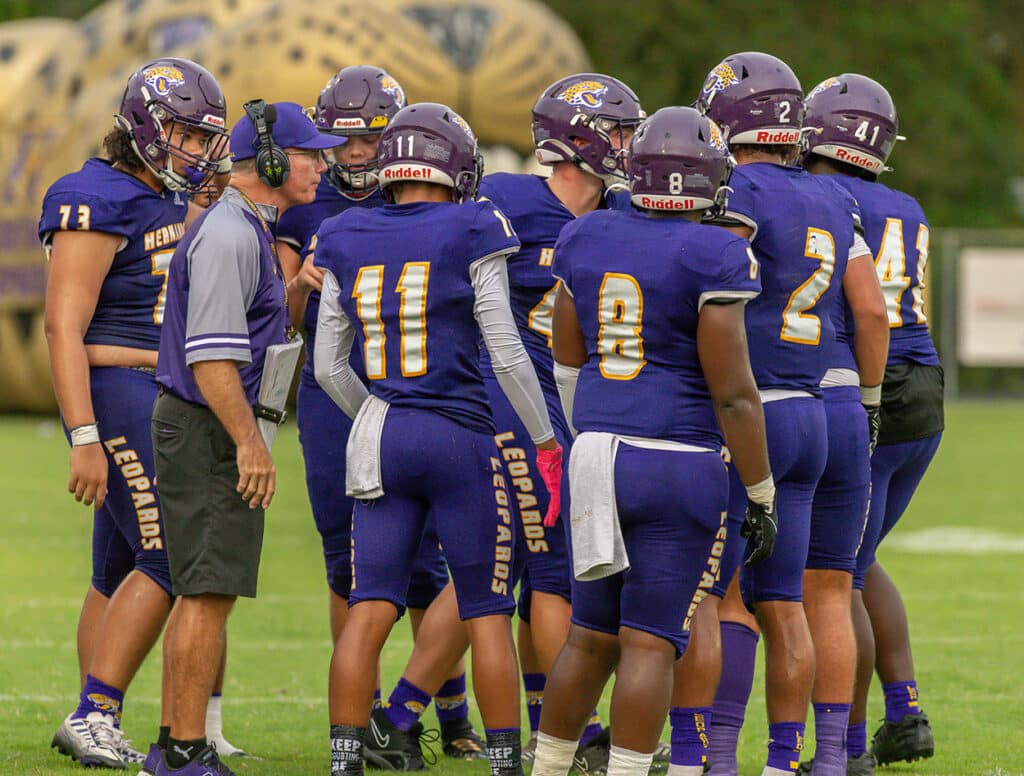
x=581 y=125
x=423 y=279
x=855 y=128
x=357 y=104
x=803 y=233
x=110 y=230
x=650 y=304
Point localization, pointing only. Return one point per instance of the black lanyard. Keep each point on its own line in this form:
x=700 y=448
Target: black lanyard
x=272 y=243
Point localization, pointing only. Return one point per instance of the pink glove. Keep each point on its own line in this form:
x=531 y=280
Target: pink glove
x=550 y=464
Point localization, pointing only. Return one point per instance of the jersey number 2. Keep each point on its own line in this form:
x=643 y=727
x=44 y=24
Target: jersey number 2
x=799 y=324
x=412 y=318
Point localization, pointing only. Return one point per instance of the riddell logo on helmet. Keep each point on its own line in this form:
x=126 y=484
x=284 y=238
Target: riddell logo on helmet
x=665 y=203
x=784 y=136
x=348 y=123
x=859 y=160
x=407 y=172
x=216 y=121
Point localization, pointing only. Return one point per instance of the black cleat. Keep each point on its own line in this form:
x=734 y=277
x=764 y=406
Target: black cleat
x=387 y=748
x=855 y=766
x=909 y=739
x=592 y=759
x=461 y=741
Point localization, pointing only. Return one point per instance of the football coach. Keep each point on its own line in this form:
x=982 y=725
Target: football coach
x=225 y=324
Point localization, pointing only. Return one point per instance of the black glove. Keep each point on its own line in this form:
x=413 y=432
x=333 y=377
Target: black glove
x=760 y=528
x=874 y=425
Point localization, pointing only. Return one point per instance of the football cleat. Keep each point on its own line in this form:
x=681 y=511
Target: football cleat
x=226 y=749
x=864 y=765
x=150 y=763
x=530 y=750
x=123 y=745
x=461 y=741
x=90 y=740
x=662 y=757
x=909 y=739
x=387 y=748
x=592 y=759
x=206 y=763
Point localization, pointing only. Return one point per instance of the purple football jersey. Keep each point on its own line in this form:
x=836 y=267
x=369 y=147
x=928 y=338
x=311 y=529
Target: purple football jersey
x=404 y=274
x=98 y=198
x=803 y=231
x=297 y=227
x=897 y=233
x=639 y=283
x=538 y=216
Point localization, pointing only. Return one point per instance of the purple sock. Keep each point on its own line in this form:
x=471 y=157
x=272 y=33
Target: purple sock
x=856 y=739
x=900 y=700
x=830 y=720
x=450 y=701
x=378 y=701
x=739 y=650
x=406 y=704
x=785 y=743
x=690 y=734
x=533 y=685
x=97 y=696
x=593 y=728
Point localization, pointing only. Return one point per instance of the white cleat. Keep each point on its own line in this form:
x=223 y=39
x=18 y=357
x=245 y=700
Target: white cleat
x=92 y=741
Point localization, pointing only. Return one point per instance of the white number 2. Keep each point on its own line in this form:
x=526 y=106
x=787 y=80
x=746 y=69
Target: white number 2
x=784 y=108
x=799 y=325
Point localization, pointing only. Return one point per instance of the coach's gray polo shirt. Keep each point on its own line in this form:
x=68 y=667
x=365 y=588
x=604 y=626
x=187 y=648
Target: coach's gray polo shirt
x=225 y=298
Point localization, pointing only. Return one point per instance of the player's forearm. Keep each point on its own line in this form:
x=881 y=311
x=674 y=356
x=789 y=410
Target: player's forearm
x=871 y=345
x=69 y=365
x=741 y=419
x=221 y=386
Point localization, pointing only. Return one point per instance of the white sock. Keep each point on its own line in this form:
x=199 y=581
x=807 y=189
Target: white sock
x=685 y=770
x=624 y=762
x=215 y=729
x=769 y=771
x=554 y=755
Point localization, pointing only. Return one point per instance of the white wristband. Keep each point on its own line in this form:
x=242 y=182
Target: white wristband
x=762 y=492
x=88 y=434
x=871 y=395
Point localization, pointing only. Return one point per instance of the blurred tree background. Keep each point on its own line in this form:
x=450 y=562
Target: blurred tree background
x=954 y=67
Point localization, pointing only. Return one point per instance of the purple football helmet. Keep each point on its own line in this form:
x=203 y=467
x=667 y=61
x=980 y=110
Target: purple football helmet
x=430 y=143
x=162 y=94
x=588 y=107
x=755 y=99
x=852 y=119
x=679 y=161
x=359 y=100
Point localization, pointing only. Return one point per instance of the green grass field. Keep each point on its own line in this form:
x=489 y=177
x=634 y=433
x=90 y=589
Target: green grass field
x=956 y=556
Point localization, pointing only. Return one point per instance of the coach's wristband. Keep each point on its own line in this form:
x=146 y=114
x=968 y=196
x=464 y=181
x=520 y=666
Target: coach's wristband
x=762 y=492
x=89 y=434
x=871 y=395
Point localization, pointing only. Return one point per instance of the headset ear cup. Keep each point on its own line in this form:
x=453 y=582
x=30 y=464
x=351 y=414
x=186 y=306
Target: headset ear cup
x=273 y=166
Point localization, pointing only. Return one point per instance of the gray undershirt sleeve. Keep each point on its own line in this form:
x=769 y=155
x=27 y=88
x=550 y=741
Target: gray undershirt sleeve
x=512 y=366
x=334 y=338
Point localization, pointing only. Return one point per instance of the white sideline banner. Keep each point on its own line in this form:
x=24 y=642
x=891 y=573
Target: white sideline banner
x=991 y=307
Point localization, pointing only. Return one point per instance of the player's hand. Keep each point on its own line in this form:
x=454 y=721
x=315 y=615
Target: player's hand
x=88 y=479
x=257 y=478
x=549 y=462
x=874 y=425
x=760 y=528
x=310 y=277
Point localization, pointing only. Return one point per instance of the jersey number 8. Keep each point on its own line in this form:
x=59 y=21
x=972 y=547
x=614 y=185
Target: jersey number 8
x=620 y=312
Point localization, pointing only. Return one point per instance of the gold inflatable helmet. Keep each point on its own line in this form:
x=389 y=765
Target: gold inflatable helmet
x=26 y=47
x=504 y=53
x=290 y=49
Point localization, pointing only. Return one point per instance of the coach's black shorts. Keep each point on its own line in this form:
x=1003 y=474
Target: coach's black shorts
x=911 y=403
x=213 y=538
